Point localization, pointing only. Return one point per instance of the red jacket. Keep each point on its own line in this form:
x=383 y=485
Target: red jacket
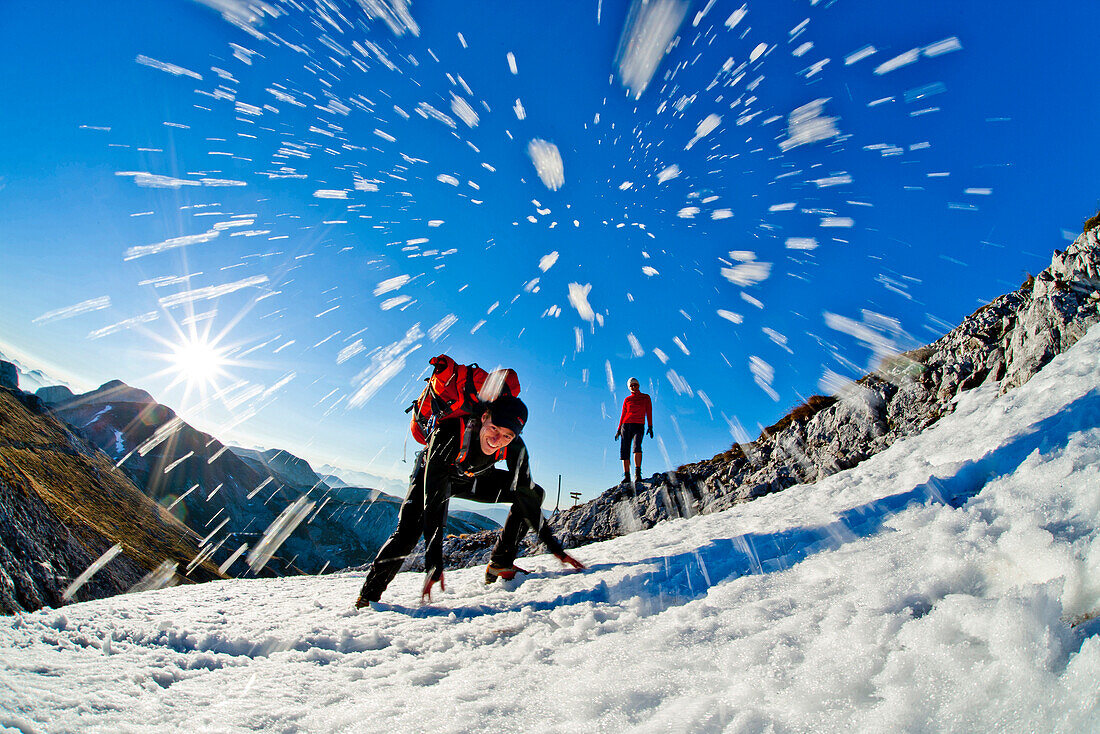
x=637 y=409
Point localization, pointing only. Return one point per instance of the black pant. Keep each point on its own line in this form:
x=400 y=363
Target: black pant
x=418 y=514
x=632 y=433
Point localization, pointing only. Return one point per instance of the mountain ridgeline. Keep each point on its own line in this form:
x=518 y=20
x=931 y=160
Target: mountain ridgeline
x=81 y=473
x=1005 y=342
x=64 y=505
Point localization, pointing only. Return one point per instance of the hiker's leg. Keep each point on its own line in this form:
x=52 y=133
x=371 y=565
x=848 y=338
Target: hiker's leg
x=638 y=449
x=526 y=513
x=393 y=552
x=437 y=495
x=624 y=449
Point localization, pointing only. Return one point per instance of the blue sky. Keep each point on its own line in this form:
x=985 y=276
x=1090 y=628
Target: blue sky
x=157 y=155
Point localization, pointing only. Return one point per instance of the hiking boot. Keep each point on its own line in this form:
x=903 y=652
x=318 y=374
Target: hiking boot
x=495 y=571
x=626 y=478
x=637 y=476
x=365 y=598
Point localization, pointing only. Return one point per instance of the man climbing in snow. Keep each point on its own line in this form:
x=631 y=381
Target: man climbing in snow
x=637 y=409
x=459 y=461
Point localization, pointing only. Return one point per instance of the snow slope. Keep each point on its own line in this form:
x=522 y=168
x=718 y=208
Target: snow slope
x=931 y=588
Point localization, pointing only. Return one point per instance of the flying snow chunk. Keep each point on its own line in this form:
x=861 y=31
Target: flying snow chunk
x=195 y=239
x=435 y=222
x=731 y=316
x=763 y=373
x=837 y=222
x=90 y=571
x=758 y=52
x=806 y=124
x=859 y=55
x=941 y=47
x=668 y=173
x=721 y=214
x=578 y=298
x=747 y=273
x=512 y=63
x=92 y=304
x=436 y=332
x=394 y=13
x=386 y=363
x=839 y=179
x=521 y=114
x=625 y=185
x=650 y=27
x=650 y=271
x=165 y=66
x=898 y=61
x=635 y=345
x=330 y=194
x=547 y=162
x=157 y=181
x=547 y=261
x=278 y=531
x=688 y=212
x=704 y=128
x=391 y=284
x=737 y=16
x=463 y=110
x=447 y=179
x=801 y=243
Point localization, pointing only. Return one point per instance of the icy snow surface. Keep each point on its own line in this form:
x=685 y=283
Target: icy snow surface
x=946 y=584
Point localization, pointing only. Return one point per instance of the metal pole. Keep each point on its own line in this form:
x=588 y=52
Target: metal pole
x=558 y=503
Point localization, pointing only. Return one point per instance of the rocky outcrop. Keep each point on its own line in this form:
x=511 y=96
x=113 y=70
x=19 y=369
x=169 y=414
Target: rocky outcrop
x=9 y=376
x=63 y=504
x=1007 y=342
x=55 y=394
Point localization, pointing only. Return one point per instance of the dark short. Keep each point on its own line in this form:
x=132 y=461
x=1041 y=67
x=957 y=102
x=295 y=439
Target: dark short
x=632 y=432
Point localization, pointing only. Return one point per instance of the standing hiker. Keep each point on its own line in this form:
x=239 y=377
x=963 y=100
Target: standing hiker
x=458 y=461
x=637 y=409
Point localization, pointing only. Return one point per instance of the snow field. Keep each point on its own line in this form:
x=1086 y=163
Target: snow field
x=931 y=588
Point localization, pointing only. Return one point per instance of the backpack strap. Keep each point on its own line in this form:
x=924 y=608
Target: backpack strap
x=466 y=436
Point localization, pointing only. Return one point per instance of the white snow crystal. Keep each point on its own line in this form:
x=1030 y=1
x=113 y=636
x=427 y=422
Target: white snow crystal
x=806 y=124
x=747 y=273
x=801 y=243
x=704 y=128
x=547 y=160
x=578 y=298
x=731 y=316
x=463 y=111
x=92 y=304
x=649 y=28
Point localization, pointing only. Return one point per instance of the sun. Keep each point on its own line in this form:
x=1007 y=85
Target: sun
x=197 y=361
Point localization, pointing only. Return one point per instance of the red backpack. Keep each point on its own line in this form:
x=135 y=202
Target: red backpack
x=455 y=390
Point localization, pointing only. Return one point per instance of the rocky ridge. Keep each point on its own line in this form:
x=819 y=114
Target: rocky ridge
x=1007 y=342
x=63 y=505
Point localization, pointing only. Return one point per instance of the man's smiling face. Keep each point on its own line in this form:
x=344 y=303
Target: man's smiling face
x=493 y=437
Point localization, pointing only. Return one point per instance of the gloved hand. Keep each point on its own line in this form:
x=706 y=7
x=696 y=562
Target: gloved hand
x=569 y=560
x=429 y=581
x=618 y=434
x=650 y=431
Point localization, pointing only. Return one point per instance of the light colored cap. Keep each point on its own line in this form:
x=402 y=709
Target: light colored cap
x=634 y=381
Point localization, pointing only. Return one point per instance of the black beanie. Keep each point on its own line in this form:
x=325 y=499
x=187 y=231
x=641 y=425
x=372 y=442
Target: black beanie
x=508 y=412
